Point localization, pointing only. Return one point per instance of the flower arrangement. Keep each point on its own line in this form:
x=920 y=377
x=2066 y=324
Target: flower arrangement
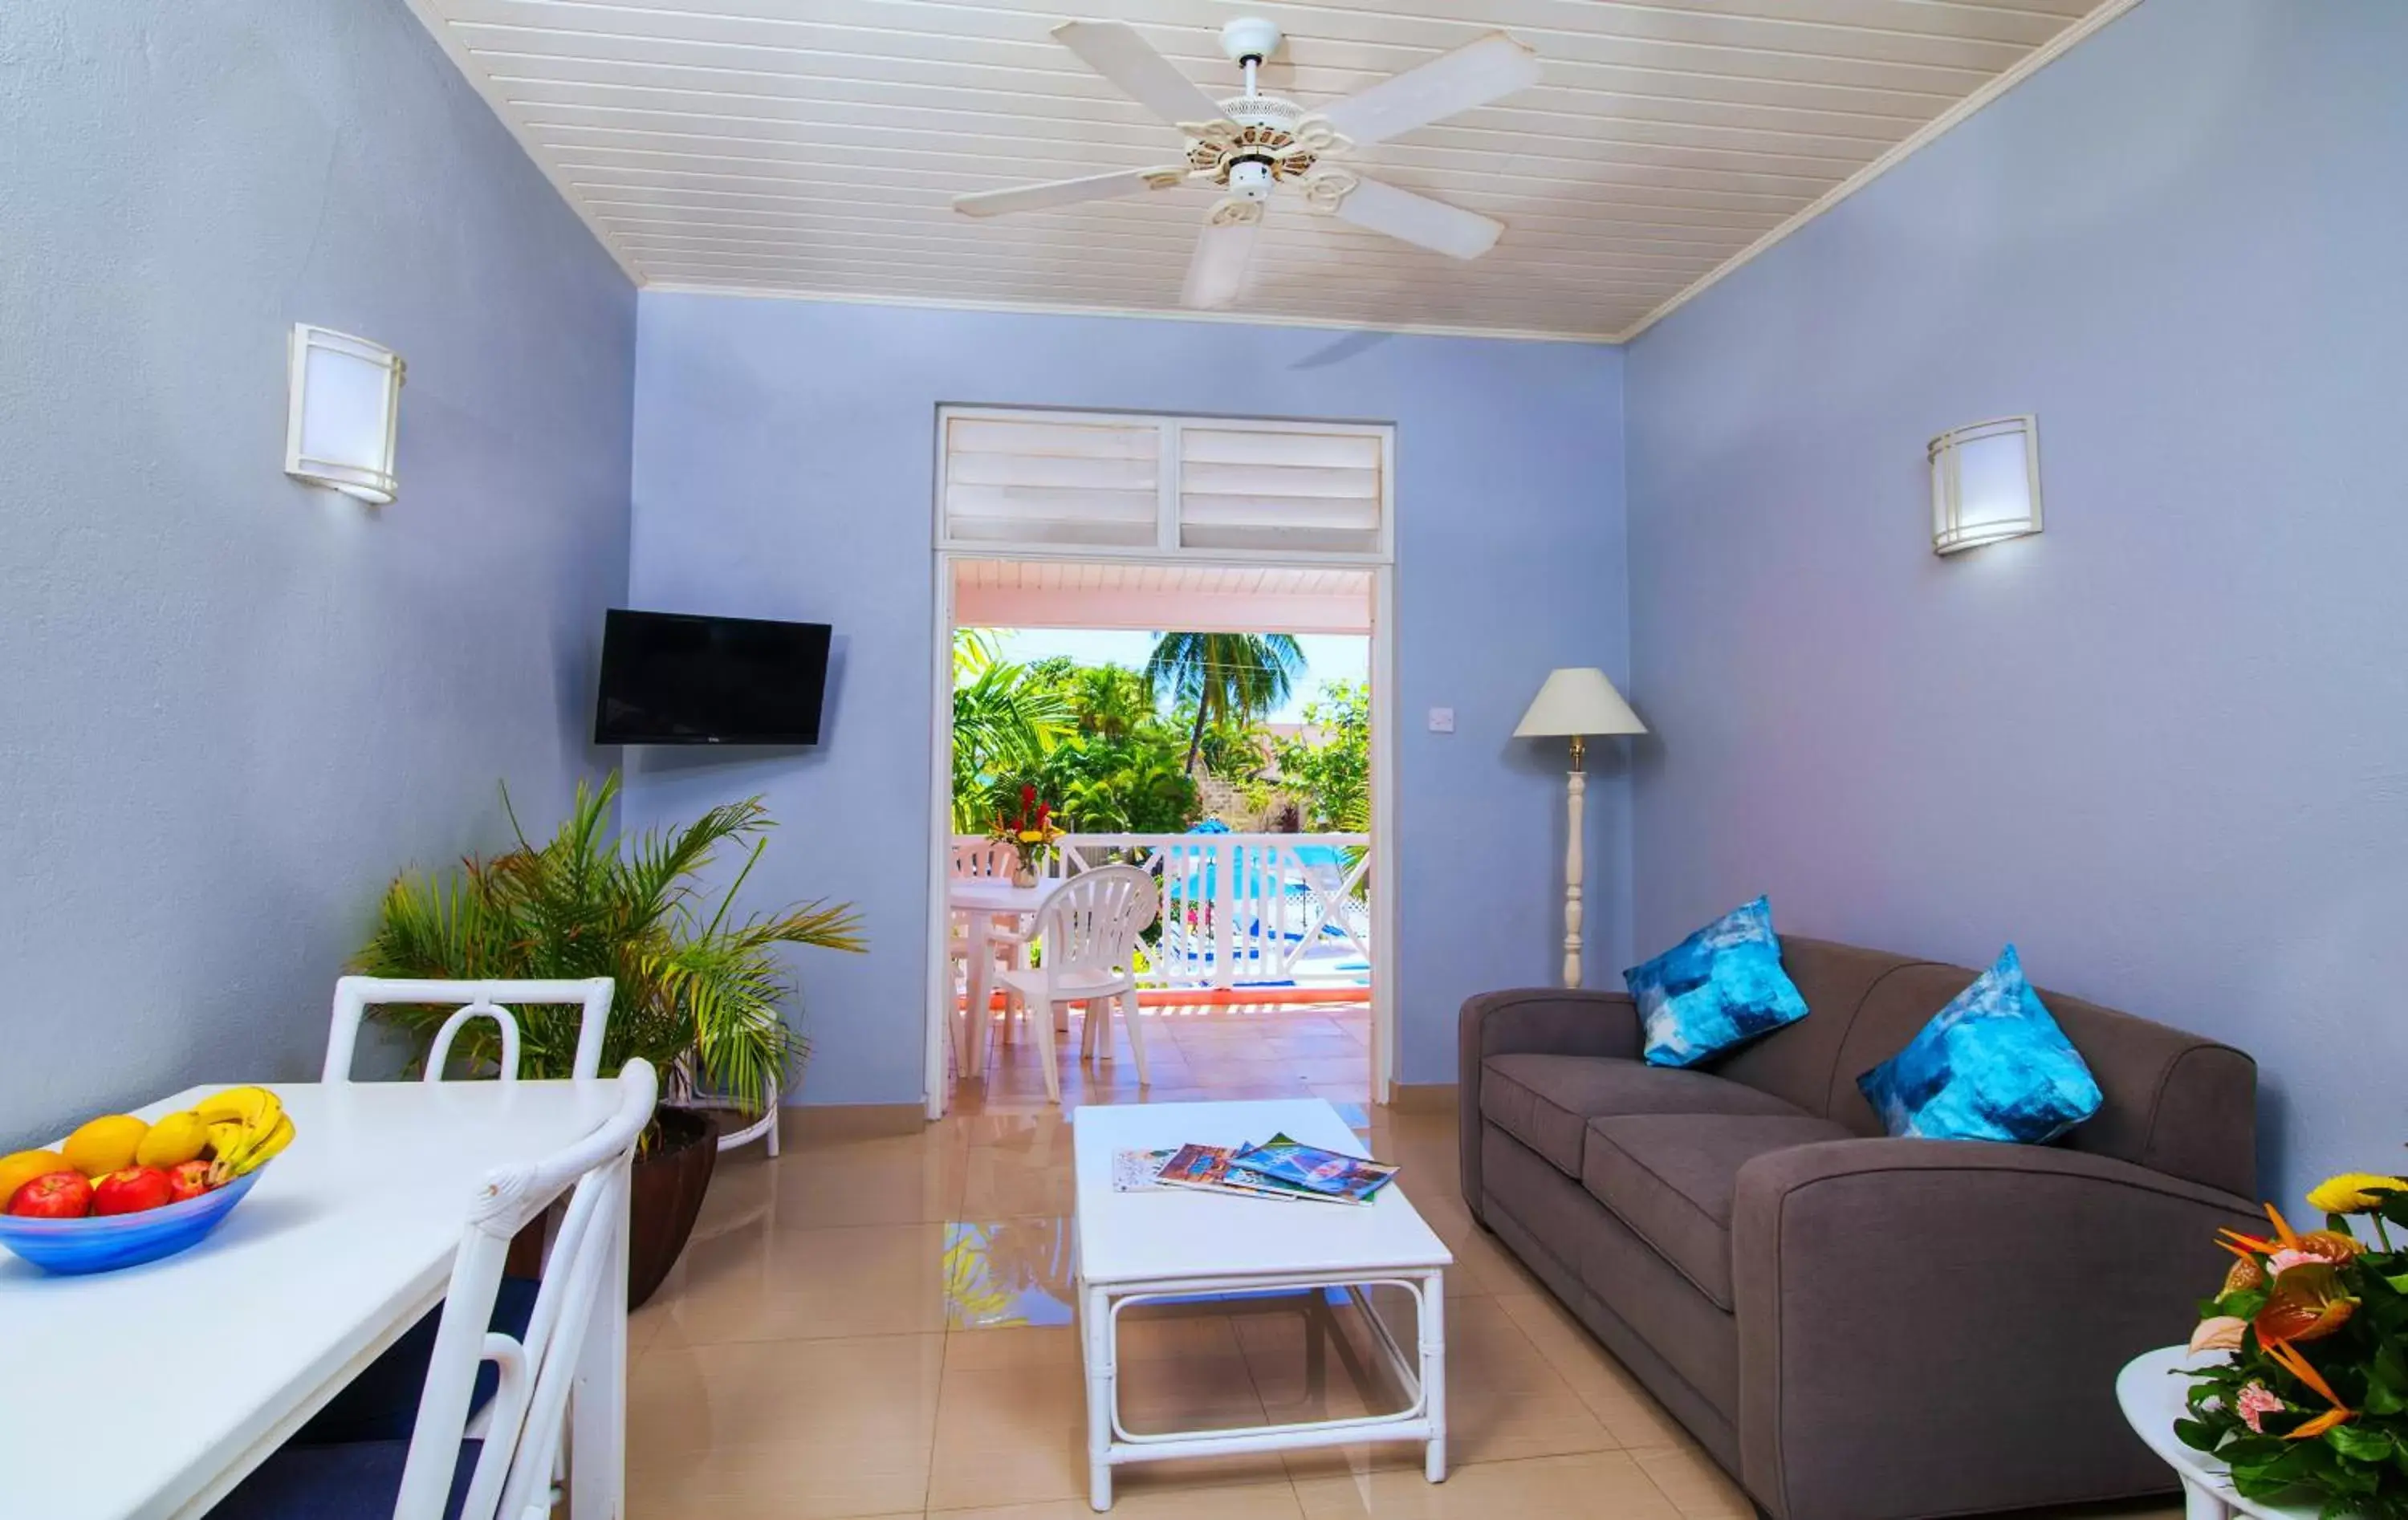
x=2312 y=1398
x=1031 y=833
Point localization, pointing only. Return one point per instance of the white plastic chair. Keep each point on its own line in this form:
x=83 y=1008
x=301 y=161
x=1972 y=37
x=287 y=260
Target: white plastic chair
x=1089 y=930
x=355 y=994
x=1008 y=934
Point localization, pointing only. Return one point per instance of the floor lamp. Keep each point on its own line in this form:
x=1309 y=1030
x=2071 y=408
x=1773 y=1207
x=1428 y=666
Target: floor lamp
x=1576 y=704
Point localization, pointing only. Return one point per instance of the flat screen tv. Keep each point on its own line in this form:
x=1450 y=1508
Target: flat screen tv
x=670 y=678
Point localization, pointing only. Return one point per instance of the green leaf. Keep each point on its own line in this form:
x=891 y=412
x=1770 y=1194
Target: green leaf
x=2196 y=1435
x=2360 y=1444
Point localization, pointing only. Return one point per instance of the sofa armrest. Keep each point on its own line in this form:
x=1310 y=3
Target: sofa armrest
x=1547 y=1020
x=1931 y=1326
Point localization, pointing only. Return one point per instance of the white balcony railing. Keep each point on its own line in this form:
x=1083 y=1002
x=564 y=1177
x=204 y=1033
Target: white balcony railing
x=1243 y=910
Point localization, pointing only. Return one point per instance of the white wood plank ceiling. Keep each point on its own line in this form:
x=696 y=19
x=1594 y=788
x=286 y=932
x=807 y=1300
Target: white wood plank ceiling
x=813 y=146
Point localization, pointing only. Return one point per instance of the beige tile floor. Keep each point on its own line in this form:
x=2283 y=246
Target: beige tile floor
x=873 y=1327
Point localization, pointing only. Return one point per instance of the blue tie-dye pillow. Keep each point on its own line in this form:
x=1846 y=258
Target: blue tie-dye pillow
x=1991 y=1066
x=1719 y=988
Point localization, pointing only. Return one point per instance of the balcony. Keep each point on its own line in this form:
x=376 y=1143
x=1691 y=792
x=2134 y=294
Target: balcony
x=1243 y=910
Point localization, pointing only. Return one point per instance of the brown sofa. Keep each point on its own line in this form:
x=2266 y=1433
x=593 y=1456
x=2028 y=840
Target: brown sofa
x=1858 y=1327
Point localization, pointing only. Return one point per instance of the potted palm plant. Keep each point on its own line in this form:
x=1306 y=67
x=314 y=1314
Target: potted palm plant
x=698 y=992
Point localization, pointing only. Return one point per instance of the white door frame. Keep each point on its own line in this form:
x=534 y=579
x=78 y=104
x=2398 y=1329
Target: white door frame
x=936 y=1032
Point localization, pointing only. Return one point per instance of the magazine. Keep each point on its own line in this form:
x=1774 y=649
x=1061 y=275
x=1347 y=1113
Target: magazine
x=1328 y=1173
x=1279 y=1169
x=1138 y=1172
x=1206 y=1168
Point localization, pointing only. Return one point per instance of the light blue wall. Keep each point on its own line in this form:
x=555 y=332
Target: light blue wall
x=784 y=468
x=231 y=706
x=2164 y=746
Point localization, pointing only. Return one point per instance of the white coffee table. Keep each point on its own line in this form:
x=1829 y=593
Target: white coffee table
x=2152 y=1399
x=1146 y=1247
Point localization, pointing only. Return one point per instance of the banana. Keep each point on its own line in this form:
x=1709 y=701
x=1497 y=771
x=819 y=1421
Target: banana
x=265 y=1147
x=255 y=1108
x=247 y=1126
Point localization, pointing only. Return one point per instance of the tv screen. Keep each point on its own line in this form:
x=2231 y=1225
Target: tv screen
x=668 y=678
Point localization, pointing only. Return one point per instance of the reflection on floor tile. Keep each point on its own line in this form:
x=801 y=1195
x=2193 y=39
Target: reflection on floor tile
x=1013 y=1271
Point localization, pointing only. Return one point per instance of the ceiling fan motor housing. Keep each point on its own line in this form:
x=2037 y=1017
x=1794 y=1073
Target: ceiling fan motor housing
x=1252 y=148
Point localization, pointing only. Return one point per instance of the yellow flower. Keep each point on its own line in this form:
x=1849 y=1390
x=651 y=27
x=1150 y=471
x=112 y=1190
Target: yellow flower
x=2353 y=1193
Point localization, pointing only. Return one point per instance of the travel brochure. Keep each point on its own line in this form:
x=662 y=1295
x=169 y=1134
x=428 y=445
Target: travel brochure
x=1278 y=1167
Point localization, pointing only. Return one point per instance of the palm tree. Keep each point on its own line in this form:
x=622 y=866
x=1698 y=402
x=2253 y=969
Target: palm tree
x=1229 y=676
x=1007 y=718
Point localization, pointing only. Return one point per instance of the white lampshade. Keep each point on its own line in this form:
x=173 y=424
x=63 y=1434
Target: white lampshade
x=343 y=413
x=1578 y=701
x=1985 y=484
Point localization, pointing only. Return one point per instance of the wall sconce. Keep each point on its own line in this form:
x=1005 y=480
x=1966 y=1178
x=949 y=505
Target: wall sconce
x=1985 y=484
x=344 y=414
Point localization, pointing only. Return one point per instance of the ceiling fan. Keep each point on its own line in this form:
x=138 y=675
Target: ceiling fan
x=1253 y=144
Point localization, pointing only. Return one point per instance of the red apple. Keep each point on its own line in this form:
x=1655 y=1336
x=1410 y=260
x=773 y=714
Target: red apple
x=189 y=1180
x=58 y=1194
x=131 y=1191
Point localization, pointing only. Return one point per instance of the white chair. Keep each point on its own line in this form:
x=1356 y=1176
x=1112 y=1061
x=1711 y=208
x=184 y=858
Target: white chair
x=1089 y=930
x=983 y=860
x=355 y=994
x=568 y=1347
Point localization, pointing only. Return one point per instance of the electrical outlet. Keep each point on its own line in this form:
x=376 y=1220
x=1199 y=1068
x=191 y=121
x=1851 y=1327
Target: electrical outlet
x=1442 y=719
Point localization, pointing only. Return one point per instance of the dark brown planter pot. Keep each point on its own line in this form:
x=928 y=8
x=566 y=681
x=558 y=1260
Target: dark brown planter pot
x=669 y=1180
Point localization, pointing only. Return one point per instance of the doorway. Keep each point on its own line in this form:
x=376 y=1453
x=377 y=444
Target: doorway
x=1221 y=727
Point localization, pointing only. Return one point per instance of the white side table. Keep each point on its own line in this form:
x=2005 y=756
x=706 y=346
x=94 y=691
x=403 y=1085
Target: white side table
x=2152 y=1398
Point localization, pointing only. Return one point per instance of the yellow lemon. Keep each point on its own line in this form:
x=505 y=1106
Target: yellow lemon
x=22 y=1167
x=173 y=1141
x=105 y=1145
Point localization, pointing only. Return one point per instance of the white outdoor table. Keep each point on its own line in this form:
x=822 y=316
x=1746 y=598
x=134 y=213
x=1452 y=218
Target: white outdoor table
x=2152 y=1399
x=1176 y=1244
x=981 y=899
x=149 y=1392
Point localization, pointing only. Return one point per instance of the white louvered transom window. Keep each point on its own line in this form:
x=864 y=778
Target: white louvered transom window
x=1213 y=487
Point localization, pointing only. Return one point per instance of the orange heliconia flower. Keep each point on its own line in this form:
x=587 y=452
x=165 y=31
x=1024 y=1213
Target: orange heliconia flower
x=2289 y=1358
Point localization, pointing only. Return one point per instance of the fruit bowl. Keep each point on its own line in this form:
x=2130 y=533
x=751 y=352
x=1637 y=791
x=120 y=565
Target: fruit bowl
x=103 y=1243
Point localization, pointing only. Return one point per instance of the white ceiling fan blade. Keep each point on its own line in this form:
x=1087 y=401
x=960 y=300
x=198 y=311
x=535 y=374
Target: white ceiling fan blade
x=1419 y=219
x=1490 y=68
x=1216 y=276
x=1114 y=50
x=1095 y=187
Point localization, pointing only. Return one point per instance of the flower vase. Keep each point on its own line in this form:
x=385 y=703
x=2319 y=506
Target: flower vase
x=1023 y=875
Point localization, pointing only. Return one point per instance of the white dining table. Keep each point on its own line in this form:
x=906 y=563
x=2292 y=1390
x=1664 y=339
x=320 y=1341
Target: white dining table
x=147 y=1393
x=980 y=900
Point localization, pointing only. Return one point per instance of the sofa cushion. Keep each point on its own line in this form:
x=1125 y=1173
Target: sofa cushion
x=1671 y=1177
x=1546 y=1101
